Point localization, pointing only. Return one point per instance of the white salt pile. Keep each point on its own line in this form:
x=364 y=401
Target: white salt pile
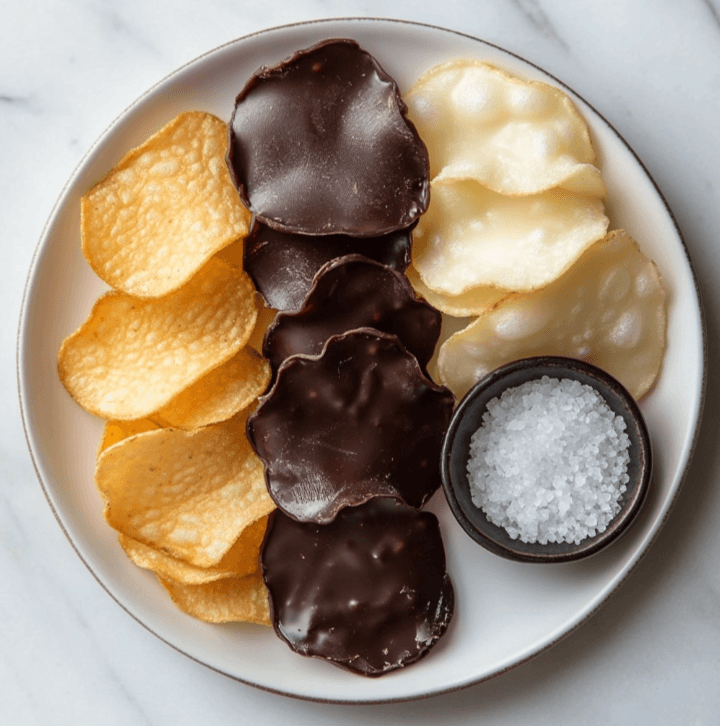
x=549 y=462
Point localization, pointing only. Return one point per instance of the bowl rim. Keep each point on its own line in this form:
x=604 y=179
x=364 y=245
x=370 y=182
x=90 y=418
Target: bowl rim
x=513 y=374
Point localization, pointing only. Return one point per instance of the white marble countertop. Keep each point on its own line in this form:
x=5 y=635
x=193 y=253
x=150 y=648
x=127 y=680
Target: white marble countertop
x=69 y=654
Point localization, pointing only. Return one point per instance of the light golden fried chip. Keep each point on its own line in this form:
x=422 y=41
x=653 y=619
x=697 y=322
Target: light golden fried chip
x=228 y=600
x=608 y=309
x=511 y=135
x=115 y=431
x=164 y=210
x=470 y=303
x=132 y=357
x=471 y=236
x=220 y=394
x=187 y=493
x=242 y=559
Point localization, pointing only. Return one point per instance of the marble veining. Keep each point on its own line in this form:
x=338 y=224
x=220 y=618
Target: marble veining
x=533 y=11
x=68 y=653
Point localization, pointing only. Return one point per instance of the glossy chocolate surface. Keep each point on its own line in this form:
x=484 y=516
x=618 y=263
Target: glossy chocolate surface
x=359 y=421
x=349 y=293
x=368 y=592
x=282 y=264
x=320 y=144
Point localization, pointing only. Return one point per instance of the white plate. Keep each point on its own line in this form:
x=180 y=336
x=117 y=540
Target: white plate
x=506 y=612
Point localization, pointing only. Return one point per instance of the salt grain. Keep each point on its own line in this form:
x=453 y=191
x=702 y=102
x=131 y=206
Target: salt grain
x=549 y=463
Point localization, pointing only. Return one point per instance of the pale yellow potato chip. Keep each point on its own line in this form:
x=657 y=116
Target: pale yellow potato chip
x=231 y=599
x=242 y=559
x=471 y=236
x=164 y=210
x=470 y=303
x=187 y=493
x=511 y=135
x=609 y=309
x=115 y=431
x=132 y=357
x=220 y=394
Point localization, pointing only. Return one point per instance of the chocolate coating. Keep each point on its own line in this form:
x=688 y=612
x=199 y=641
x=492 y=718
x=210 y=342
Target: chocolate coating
x=349 y=293
x=320 y=144
x=357 y=422
x=368 y=592
x=282 y=264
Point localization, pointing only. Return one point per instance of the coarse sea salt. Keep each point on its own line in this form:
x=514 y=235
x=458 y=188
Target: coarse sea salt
x=549 y=463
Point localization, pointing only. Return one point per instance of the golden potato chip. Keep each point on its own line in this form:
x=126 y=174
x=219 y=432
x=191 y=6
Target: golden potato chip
x=228 y=600
x=115 y=431
x=471 y=236
x=608 y=309
x=242 y=559
x=187 y=493
x=220 y=394
x=233 y=254
x=164 y=210
x=265 y=318
x=132 y=357
x=472 y=302
x=511 y=135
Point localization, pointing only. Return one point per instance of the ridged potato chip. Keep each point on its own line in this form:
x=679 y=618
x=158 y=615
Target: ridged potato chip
x=242 y=559
x=231 y=599
x=132 y=357
x=220 y=394
x=164 y=210
x=470 y=303
x=511 y=135
x=187 y=493
x=608 y=309
x=471 y=236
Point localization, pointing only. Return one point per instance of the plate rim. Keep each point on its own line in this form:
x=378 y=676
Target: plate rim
x=55 y=211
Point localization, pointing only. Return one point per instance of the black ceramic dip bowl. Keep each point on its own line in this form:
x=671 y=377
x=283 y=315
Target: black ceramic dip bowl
x=468 y=418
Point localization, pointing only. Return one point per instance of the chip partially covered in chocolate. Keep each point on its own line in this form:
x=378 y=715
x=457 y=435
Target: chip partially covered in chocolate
x=359 y=421
x=349 y=293
x=320 y=144
x=368 y=592
x=282 y=264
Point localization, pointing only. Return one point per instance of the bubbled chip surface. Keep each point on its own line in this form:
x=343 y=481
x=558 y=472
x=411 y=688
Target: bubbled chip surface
x=189 y=494
x=368 y=592
x=354 y=292
x=608 y=309
x=164 y=210
x=242 y=559
x=221 y=393
x=472 y=236
x=231 y=599
x=472 y=302
x=320 y=144
x=282 y=264
x=359 y=421
x=132 y=357
x=512 y=135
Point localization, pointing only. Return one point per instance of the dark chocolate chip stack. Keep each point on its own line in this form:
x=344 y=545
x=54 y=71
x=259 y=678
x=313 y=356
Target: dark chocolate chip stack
x=350 y=432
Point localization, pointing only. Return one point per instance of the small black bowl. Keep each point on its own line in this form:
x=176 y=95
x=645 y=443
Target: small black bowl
x=468 y=418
